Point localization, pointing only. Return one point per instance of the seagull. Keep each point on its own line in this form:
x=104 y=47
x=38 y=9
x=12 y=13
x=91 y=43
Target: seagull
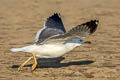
x=53 y=41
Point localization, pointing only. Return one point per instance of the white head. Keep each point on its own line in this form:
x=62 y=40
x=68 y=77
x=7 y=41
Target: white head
x=71 y=44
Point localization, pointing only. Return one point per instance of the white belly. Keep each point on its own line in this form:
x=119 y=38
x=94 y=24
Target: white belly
x=51 y=51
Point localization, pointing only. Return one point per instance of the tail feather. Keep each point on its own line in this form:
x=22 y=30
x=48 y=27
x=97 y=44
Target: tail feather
x=16 y=49
x=30 y=48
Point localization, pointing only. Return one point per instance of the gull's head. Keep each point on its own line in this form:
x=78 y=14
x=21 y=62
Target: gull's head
x=71 y=44
x=76 y=40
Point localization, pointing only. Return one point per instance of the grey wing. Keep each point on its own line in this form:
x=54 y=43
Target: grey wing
x=83 y=30
x=52 y=26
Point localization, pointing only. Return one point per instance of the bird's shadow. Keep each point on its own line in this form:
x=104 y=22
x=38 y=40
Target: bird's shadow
x=55 y=63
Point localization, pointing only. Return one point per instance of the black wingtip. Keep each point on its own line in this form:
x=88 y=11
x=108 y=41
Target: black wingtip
x=93 y=24
x=55 y=15
x=58 y=14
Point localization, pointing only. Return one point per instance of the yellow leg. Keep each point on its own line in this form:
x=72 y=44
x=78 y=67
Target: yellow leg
x=24 y=63
x=35 y=61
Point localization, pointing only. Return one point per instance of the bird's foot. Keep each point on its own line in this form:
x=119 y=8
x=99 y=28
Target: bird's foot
x=35 y=62
x=21 y=66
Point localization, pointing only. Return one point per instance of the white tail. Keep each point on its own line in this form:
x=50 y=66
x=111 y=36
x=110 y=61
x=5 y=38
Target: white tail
x=30 y=48
x=17 y=49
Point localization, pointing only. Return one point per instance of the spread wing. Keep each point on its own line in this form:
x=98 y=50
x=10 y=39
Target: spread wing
x=80 y=31
x=52 y=26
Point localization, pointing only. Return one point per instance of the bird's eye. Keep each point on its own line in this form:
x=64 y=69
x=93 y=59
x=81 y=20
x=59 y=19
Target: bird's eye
x=80 y=40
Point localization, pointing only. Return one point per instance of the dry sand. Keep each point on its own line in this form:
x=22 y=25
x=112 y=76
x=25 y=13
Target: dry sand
x=21 y=19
